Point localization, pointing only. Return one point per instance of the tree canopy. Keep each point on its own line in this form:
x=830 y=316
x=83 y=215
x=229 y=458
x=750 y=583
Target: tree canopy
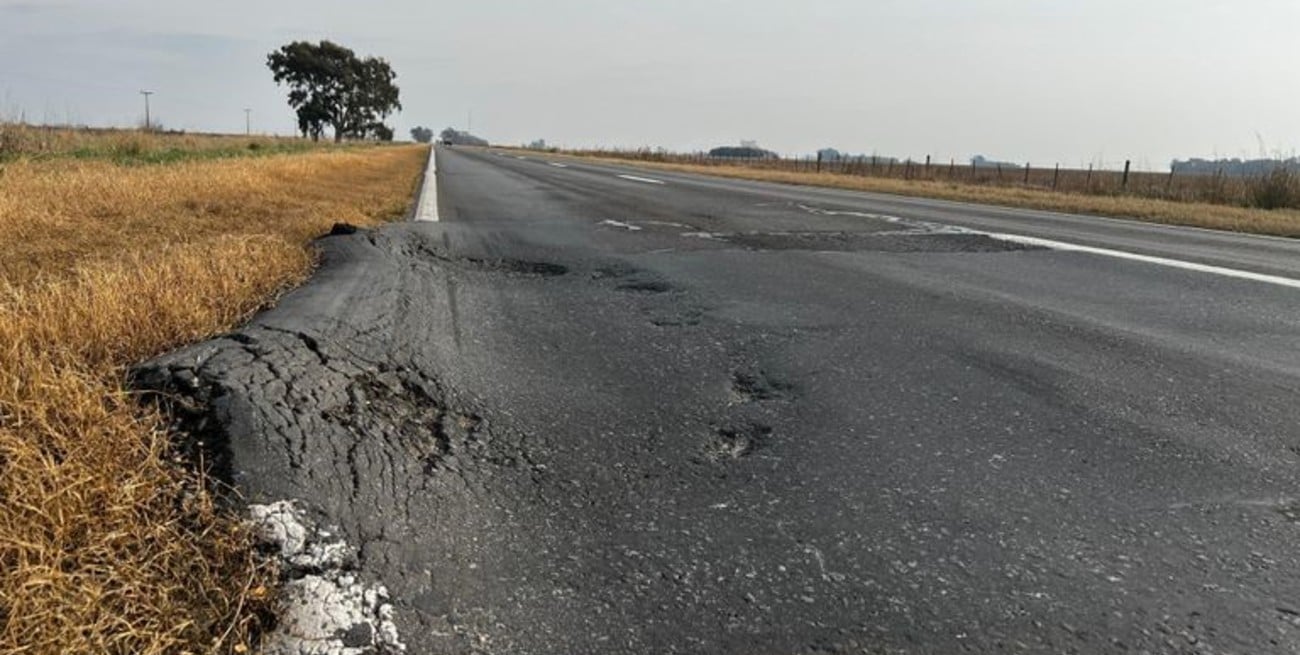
x=422 y=134
x=330 y=86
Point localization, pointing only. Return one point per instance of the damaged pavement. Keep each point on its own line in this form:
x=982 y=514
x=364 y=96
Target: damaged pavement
x=746 y=427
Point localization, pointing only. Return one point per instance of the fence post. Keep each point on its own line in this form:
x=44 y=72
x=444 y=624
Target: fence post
x=1056 y=177
x=999 y=171
x=927 y=165
x=1124 y=182
x=952 y=166
x=819 y=161
x=1170 y=182
x=1088 y=182
x=1027 y=167
x=907 y=172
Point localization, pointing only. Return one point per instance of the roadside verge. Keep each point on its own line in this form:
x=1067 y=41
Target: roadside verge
x=108 y=541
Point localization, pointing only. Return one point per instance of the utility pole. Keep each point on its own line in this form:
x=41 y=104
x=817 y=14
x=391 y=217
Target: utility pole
x=248 y=122
x=146 y=95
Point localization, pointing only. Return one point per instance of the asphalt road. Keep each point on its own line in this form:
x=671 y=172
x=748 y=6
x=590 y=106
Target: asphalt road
x=659 y=413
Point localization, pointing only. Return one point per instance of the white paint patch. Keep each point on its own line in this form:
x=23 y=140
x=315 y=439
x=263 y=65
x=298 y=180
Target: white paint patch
x=641 y=179
x=427 y=210
x=827 y=212
x=1147 y=259
x=559 y=165
x=627 y=226
x=522 y=158
x=327 y=610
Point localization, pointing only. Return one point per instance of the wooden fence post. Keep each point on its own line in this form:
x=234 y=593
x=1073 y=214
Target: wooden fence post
x=1027 y=168
x=1124 y=182
x=1170 y=182
x=1056 y=177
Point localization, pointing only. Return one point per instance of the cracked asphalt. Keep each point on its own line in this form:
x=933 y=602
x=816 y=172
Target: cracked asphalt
x=591 y=414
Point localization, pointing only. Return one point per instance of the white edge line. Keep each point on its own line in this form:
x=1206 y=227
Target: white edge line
x=1149 y=259
x=641 y=179
x=559 y=165
x=428 y=207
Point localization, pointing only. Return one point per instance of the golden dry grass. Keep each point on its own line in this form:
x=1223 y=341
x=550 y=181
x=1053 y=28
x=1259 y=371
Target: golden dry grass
x=1283 y=222
x=134 y=146
x=108 y=544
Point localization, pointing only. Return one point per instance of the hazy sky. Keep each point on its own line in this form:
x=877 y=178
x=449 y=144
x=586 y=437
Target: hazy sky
x=1040 y=80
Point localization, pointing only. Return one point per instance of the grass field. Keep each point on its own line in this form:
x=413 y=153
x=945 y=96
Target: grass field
x=109 y=543
x=1213 y=202
x=20 y=141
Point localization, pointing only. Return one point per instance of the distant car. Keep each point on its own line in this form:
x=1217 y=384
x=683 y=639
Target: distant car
x=448 y=142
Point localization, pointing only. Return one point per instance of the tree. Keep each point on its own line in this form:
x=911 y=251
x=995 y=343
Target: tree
x=422 y=134
x=330 y=86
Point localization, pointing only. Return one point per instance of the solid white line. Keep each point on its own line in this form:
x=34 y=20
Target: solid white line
x=559 y=165
x=522 y=158
x=641 y=179
x=1148 y=259
x=427 y=210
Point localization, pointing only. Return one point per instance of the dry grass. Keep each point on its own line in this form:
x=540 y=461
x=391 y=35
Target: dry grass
x=1280 y=222
x=18 y=140
x=108 y=544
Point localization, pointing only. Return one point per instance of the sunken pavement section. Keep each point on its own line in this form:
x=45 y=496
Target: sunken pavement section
x=327 y=414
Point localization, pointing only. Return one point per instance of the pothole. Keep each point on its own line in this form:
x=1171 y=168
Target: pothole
x=645 y=286
x=736 y=441
x=757 y=386
x=685 y=318
x=520 y=267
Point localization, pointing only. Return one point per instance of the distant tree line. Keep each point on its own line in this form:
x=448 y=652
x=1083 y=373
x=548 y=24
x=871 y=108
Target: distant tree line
x=421 y=134
x=742 y=152
x=833 y=155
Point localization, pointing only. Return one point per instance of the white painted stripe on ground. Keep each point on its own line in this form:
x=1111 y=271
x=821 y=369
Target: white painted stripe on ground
x=641 y=179
x=559 y=165
x=1148 y=259
x=522 y=158
x=427 y=210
